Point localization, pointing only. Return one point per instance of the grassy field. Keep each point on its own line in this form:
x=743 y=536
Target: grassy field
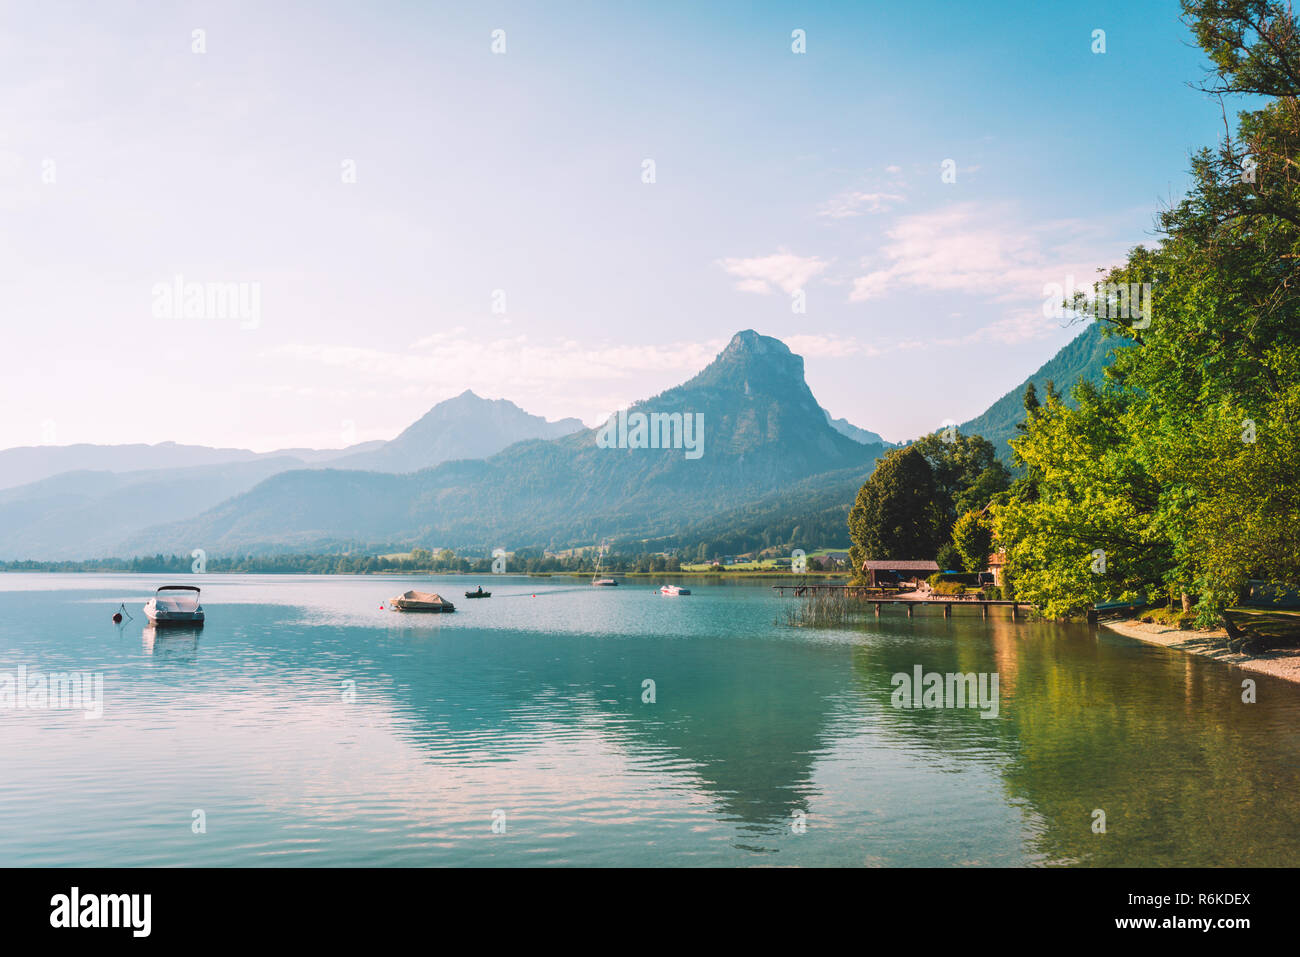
x=765 y=564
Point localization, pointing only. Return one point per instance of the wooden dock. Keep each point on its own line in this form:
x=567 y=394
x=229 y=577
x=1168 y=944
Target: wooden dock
x=876 y=596
x=854 y=591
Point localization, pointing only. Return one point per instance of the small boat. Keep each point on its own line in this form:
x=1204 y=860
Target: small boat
x=674 y=590
x=175 y=605
x=600 y=558
x=478 y=594
x=420 y=601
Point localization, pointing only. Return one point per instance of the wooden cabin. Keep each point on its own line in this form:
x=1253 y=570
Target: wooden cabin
x=903 y=568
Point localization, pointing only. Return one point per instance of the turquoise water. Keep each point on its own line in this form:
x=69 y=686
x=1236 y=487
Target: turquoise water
x=309 y=727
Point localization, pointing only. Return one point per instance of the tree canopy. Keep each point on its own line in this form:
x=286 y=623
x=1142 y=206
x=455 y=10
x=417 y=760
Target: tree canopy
x=1178 y=476
x=896 y=514
x=908 y=507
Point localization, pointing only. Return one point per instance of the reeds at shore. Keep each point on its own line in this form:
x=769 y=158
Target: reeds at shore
x=822 y=609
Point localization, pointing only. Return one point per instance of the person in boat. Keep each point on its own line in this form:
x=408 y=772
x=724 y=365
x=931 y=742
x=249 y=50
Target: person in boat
x=480 y=589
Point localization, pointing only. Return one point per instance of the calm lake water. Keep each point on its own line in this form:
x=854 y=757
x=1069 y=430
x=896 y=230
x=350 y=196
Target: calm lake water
x=310 y=727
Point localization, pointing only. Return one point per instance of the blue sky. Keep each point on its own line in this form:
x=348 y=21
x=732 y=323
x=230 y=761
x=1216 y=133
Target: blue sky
x=127 y=159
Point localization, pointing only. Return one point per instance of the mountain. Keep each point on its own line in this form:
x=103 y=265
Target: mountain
x=32 y=463
x=87 y=514
x=19 y=466
x=87 y=499
x=847 y=428
x=1086 y=357
x=763 y=431
x=810 y=513
x=773 y=467
x=465 y=427
x=815 y=510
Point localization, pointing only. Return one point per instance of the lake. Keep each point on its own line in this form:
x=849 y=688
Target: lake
x=306 y=726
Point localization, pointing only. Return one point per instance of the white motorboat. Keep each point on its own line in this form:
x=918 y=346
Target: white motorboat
x=174 y=605
x=674 y=590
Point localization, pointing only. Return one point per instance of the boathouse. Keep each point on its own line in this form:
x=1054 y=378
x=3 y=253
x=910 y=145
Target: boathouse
x=897 y=569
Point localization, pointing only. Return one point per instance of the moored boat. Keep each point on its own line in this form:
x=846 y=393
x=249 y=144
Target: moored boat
x=595 y=575
x=175 y=605
x=420 y=601
x=674 y=590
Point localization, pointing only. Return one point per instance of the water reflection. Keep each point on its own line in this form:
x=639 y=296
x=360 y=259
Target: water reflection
x=176 y=642
x=1186 y=773
x=336 y=732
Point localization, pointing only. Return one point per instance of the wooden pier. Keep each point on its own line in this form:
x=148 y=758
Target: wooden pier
x=853 y=591
x=878 y=597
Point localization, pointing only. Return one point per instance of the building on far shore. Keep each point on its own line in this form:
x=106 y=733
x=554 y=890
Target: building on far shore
x=898 y=569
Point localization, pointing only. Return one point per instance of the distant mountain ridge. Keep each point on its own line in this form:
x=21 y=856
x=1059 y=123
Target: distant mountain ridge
x=764 y=431
x=112 y=492
x=847 y=428
x=1086 y=357
x=464 y=427
x=777 y=467
x=87 y=514
x=32 y=463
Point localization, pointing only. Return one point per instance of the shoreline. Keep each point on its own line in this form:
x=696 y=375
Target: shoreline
x=1283 y=663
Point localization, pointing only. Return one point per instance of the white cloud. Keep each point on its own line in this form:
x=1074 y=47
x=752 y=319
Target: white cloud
x=1021 y=326
x=781 y=270
x=981 y=250
x=830 y=346
x=857 y=203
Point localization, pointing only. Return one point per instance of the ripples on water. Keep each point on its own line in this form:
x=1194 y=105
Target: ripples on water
x=311 y=727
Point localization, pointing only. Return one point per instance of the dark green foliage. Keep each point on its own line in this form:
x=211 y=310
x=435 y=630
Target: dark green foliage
x=897 y=513
x=950 y=588
x=967 y=473
x=948 y=557
x=1178 y=477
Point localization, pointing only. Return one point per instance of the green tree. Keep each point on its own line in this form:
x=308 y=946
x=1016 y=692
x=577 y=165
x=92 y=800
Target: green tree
x=967 y=473
x=895 y=514
x=1031 y=405
x=1089 y=534
x=948 y=558
x=1176 y=470
x=973 y=537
